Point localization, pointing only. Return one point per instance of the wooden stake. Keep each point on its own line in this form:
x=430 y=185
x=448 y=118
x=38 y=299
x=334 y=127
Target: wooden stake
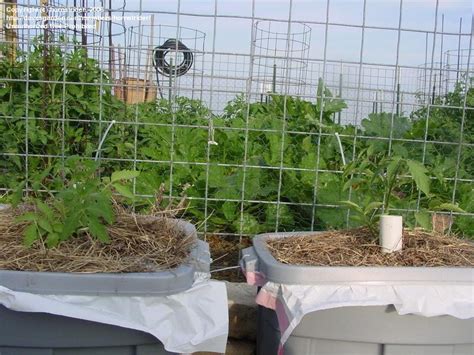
x=10 y=33
x=146 y=80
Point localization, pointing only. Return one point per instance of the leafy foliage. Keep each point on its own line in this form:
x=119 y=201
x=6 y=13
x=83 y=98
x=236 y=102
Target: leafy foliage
x=70 y=121
x=381 y=180
x=84 y=203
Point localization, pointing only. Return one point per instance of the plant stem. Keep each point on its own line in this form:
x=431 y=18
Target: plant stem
x=390 y=185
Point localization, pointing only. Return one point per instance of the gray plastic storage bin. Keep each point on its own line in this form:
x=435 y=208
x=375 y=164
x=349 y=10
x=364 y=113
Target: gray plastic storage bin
x=24 y=333
x=371 y=330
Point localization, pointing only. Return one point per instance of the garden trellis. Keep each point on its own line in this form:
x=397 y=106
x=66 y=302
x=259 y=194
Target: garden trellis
x=258 y=132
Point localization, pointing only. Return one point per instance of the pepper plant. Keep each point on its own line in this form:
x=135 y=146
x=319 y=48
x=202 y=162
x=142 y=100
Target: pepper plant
x=382 y=184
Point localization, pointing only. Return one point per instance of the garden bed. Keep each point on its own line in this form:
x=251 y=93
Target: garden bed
x=316 y=289
x=137 y=244
x=357 y=247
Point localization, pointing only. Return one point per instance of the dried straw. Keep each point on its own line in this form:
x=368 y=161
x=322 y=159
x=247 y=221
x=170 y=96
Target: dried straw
x=357 y=248
x=137 y=244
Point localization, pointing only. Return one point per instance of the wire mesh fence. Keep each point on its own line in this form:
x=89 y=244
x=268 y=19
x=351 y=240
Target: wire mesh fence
x=259 y=130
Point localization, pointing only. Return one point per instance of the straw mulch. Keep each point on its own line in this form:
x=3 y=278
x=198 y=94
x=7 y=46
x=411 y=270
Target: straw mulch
x=137 y=244
x=357 y=248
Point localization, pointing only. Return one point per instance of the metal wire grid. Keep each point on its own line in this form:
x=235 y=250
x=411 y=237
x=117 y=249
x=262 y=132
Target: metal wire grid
x=366 y=87
x=97 y=37
x=272 y=48
x=341 y=78
x=152 y=35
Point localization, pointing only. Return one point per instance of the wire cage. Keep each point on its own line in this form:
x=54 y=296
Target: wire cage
x=379 y=86
x=444 y=75
x=164 y=60
x=55 y=22
x=281 y=53
x=431 y=81
x=457 y=63
x=258 y=132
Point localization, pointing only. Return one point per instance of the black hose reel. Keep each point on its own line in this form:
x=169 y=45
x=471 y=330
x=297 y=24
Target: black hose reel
x=162 y=66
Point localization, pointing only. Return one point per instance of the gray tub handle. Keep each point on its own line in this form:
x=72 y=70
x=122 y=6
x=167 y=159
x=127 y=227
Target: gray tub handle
x=201 y=257
x=249 y=261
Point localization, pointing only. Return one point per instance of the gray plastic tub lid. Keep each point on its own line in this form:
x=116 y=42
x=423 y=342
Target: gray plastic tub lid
x=259 y=259
x=160 y=283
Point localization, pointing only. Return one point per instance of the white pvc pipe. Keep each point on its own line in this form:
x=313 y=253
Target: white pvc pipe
x=341 y=150
x=391 y=233
x=103 y=139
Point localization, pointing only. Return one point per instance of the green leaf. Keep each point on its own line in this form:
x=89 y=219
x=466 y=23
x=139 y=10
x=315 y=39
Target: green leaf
x=30 y=235
x=27 y=217
x=372 y=206
x=74 y=90
x=43 y=223
x=52 y=240
x=98 y=230
x=380 y=125
x=58 y=227
x=418 y=172
x=354 y=183
x=284 y=214
x=106 y=209
x=70 y=225
x=45 y=209
x=229 y=210
x=359 y=219
x=424 y=220
x=250 y=225
x=448 y=207
x=307 y=145
x=4 y=91
x=124 y=191
x=97 y=213
x=392 y=167
x=124 y=175
x=18 y=194
x=352 y=206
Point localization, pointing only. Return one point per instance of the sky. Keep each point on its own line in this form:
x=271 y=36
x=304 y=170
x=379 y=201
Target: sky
x=233 y=35
x=230 y=32
x=233 y=28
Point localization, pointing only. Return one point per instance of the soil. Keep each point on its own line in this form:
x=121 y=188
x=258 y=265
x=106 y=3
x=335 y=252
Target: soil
x=137 y=244
x=225 y=253
x=357 y=247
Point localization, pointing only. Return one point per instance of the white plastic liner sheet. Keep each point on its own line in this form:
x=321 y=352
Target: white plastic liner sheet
x=187 y=322
x=292 y=302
